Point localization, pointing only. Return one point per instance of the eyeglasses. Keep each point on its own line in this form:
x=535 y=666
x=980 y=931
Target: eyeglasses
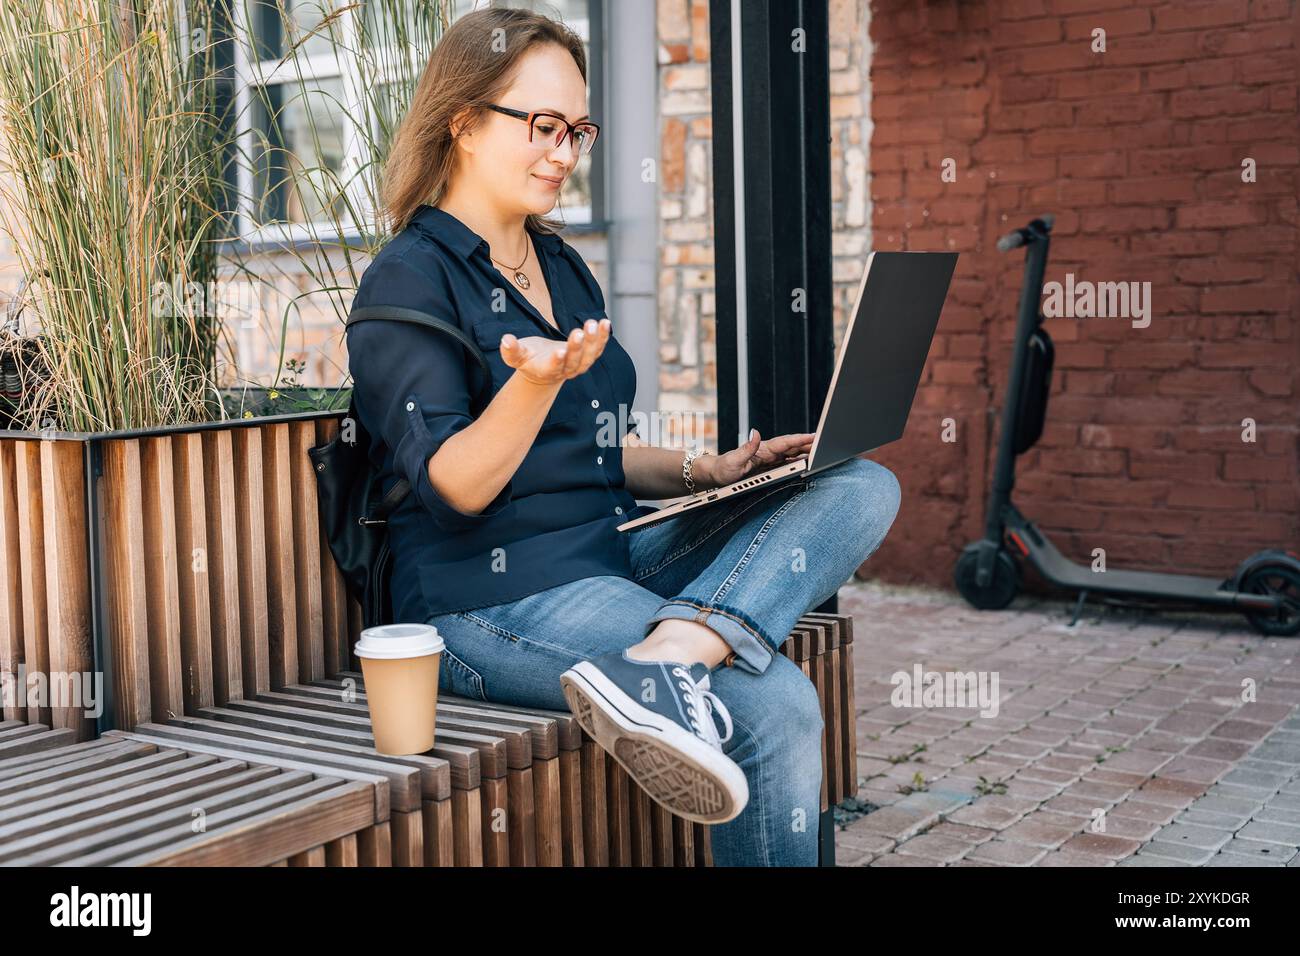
x=548 y=131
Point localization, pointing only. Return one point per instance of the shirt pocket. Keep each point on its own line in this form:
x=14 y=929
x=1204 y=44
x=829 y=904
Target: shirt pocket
x=614 y=373
x=487 y=333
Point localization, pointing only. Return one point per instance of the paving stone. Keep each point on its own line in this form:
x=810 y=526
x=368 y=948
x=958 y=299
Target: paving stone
x=1125 y=778
x=1187 y=834
x=1284 y=801
x=1220 y=748
x=1080 y=806
x=1103 y=793
x=1132 y=827
x=1256 y=779
x=855 y=838
x=1071 y=858
x=1235 y=859
x=1240 y=791
x=1270 y=814
x=1196 y=769
x=1037 y=831
x=1143 y=810
x=893 y=859
x=1217 y=821
x=941 y=849
x=1032 y=789
x=1282 y=833
x=1006 y=853
x=1103 y=844
x=1187 y=855
x=896 y=823
x=961 y=831
x=1277 y=752
x=1254 y=848
x=1213 y=803
x=1146 y=859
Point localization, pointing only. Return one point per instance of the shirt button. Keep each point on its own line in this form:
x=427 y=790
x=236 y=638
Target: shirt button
x=600 y=459
x=618 y=510
x=595 y=403
x=410 y=406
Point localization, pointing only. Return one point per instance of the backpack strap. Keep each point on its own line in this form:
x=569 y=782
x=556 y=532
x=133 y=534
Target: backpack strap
x=401 y=487
x=417 y=317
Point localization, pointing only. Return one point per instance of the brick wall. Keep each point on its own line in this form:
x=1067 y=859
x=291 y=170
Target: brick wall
x=1138 y=152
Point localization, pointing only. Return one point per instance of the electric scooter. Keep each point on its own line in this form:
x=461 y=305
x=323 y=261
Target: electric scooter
x=1265 y=588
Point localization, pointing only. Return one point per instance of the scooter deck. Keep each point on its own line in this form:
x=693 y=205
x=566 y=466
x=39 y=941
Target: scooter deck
x=1060 y=570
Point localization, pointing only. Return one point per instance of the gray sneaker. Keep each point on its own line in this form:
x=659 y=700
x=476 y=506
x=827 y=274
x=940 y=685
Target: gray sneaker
x=656 y=719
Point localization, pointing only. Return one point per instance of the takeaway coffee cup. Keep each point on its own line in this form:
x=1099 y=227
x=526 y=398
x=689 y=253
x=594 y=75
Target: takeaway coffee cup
x=400 y=665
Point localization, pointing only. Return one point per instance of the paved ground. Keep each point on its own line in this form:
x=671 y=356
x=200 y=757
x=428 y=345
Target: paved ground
x=1136 y=738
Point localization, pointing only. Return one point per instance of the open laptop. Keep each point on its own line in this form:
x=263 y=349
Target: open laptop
x=877 y=369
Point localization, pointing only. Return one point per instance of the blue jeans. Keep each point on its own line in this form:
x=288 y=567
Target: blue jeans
x=748 y=569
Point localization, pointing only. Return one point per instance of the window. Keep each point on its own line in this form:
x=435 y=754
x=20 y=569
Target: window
x=309 y=109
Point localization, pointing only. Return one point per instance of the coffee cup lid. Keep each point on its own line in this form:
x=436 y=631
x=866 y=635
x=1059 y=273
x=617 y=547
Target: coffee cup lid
x=393 y=641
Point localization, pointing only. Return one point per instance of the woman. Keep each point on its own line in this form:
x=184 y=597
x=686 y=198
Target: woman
x=509 y=542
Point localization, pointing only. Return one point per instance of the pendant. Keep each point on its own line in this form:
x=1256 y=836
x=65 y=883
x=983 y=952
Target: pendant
x=522 y=280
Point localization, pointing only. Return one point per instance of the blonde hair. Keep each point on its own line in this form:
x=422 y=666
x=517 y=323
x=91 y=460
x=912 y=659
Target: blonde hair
x=461 y=75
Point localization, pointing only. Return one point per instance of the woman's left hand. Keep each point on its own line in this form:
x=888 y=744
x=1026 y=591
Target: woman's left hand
x=754 y=455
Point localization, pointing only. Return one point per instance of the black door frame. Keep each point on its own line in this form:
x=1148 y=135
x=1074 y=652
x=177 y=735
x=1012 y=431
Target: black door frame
x=772 y=224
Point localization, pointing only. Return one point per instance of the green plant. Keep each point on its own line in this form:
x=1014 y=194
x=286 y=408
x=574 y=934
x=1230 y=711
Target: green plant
x=918 y=784
x=117 y=199
x=106 y=113
x=383 y=45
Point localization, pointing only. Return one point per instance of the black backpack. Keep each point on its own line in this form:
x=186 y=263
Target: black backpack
x=353 y=514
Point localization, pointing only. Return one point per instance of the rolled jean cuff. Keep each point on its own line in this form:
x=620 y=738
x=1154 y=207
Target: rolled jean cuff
x=753 y=651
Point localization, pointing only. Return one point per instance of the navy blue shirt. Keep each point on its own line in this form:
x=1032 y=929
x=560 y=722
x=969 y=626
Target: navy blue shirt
x=556 y=519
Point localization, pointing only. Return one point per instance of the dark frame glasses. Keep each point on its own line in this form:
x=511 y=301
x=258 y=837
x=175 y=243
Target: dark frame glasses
x=584 y=147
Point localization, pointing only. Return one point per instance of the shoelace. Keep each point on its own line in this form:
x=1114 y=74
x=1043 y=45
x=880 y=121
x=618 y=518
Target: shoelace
x=701 y=704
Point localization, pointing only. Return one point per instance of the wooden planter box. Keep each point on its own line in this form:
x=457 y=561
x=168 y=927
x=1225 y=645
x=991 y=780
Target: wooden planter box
x=193 y=552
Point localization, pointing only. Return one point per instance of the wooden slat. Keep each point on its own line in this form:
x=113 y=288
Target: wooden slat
x=250 y=523
x=354 y=629
x=595 y=805
x=162 y=597
x=67 y=586
x=41 y=741
x=402 y=790
x=224 y=570
x=181 y=792
x=193 y=576
x=125 y=582
x=306 y=561
x=11 y=588
x=342 y=852
x=314 y=819
x=313 y=857
x=334 y=611
x=31 y=563
x=378 y=782
x=281 y=604
x=846 y=738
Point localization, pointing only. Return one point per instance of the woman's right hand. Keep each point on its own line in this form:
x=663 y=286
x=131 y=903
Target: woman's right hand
x=544 y=361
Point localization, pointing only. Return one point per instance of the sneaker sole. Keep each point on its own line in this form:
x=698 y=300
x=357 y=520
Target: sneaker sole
x=680 y=772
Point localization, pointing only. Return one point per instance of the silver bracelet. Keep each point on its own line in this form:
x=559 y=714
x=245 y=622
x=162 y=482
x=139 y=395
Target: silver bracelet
x=691 y=454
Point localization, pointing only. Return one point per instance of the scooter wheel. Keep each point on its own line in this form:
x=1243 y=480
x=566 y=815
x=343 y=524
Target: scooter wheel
x=1001 y=589
x=1284 y=581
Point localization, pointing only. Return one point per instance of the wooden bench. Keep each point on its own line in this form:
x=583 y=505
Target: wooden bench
x=504 y=785
x=119 y=801
x=239 y=636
